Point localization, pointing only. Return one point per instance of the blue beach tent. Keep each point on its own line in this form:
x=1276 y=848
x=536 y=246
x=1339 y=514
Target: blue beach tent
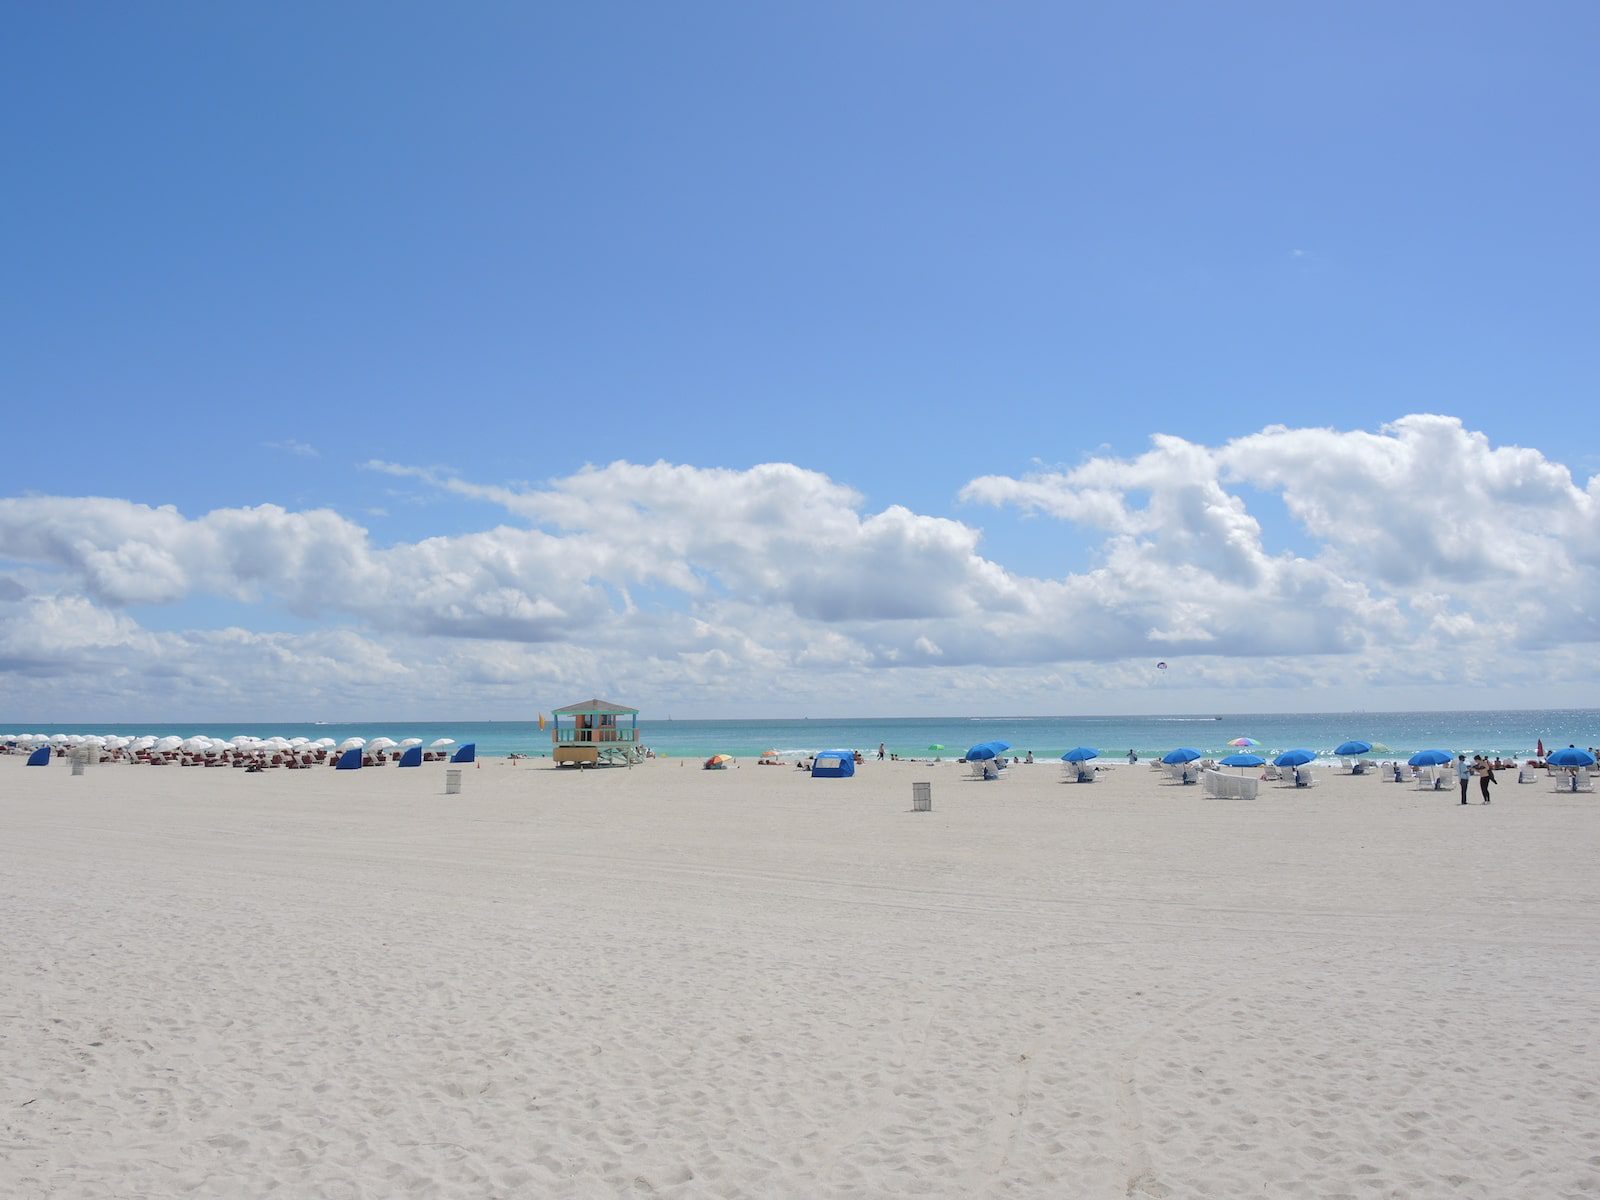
x=412 y=757
x=467 y=753
x=40 y=757
x=350 y=760
x=833 y=764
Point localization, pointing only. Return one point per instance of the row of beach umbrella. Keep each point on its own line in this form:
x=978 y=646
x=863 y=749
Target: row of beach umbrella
x=241 y=743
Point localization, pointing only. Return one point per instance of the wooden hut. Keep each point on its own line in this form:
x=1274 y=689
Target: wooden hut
x=595 y=731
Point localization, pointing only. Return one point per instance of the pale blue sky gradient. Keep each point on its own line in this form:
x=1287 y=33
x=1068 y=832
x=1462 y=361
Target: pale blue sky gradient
x=249 y=249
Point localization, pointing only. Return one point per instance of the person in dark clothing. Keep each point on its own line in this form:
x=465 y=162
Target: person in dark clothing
x=1463 y=775
x=1485 y=778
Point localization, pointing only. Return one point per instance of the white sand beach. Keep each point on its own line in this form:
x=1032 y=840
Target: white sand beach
x=670 y=982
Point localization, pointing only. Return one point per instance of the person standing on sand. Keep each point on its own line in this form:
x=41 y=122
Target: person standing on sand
x=1132 y=758
x=1463 y=775
x=880 y=751
x=1485 y=778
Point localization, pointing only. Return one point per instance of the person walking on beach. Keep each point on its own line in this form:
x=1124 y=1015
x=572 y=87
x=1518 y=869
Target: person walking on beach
x=1463 y=775
x=1132 y=757
x=1485 y=778
x=880 y=751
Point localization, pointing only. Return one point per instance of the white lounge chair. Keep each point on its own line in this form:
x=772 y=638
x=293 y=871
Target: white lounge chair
x=977 y=769
x=1429 y=780
x=991 y=770
x=1305 y=777
x=1211 y=781
x=1271 y=773
x=1581 y=781
x=1526 y=774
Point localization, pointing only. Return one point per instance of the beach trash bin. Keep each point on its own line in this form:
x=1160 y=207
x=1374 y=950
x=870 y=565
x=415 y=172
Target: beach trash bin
x=77 y=765
x=452 y=782
x=922 y=797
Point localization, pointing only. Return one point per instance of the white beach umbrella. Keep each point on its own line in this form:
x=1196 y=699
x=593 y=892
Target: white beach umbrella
x=58 y=739
x=381 y=743
x=116 y=743
x=240 y=739
x=141 y=743
x=74 y=739
x=297 y=742
x=195 y=744
x=411 y=741
x=324 y=741
x=167 y=743
x=352 y=743
x=437 y=743
x=280 y=743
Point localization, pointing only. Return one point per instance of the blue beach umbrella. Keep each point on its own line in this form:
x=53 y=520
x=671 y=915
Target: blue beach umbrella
x=984 y=751
x=1183 y=754
x=1294 y=758
x=1430 y=758
x=1352 y=749
x=1570 y=757
x=1242 y=760
x=1080 y=754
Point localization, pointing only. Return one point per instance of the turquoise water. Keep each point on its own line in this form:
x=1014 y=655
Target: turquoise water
x=1503 y=733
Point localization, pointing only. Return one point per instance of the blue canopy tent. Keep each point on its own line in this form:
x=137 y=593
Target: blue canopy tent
x=350 y=760
x=467 y=753
x=40 y=757
x=412 y=757
x=833 y=764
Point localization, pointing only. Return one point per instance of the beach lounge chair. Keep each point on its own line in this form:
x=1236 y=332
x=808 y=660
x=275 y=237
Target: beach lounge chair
x=1525 y=774
x=467 y=753
x=1271 y=773
x=1305 y=777
x=1085 y=773
x=350 y=760
x=412 y=757
x=991 y=770
x=39 y=758
x=1210 y=782
x=977 y=769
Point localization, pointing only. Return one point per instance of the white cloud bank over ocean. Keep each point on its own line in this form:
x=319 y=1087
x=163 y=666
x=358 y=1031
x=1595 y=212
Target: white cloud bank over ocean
x=1435 y=570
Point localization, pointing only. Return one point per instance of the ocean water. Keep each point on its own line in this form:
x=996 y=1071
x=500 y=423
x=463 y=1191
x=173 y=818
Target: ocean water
x=1509 y=733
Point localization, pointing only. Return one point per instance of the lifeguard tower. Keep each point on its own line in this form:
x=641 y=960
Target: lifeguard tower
x=596 y=734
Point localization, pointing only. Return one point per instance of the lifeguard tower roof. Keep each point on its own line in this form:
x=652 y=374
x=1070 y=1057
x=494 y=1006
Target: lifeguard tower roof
x=597 y=707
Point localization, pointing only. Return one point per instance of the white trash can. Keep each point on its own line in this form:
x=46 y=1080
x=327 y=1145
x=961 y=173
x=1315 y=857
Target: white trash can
x=922 y=797
x=452 y=782
x=77 y=766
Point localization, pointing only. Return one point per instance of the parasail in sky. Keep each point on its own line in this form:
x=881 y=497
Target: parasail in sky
x=1161 y=666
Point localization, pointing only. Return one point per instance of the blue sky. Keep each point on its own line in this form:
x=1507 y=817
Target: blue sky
x=899 y=245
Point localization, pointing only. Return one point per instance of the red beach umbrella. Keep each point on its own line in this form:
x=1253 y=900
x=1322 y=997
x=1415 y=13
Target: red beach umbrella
x=1541 y=747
